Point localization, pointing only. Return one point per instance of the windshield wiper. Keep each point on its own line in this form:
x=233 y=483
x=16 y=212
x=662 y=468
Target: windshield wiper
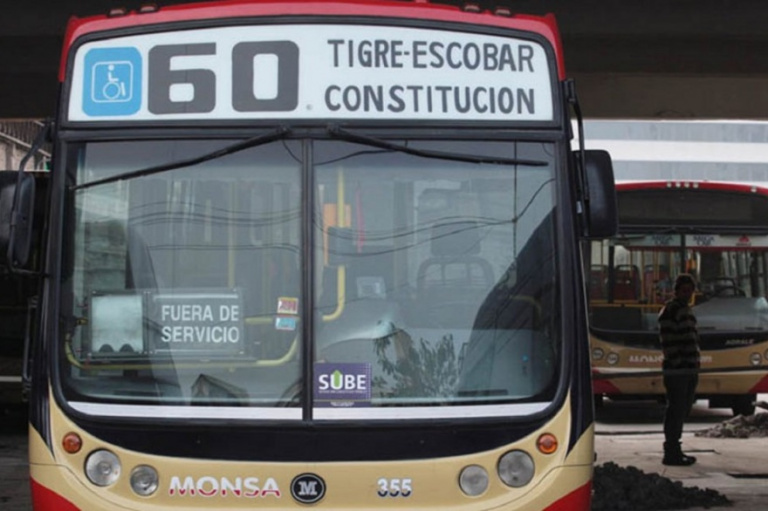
x=350 y=136
x=277 y=134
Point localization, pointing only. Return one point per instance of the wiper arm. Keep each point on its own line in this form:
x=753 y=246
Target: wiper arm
x=350 y=136
x=224 y=151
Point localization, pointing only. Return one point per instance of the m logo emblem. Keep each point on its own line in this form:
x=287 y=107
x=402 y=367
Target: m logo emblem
x=308 y=488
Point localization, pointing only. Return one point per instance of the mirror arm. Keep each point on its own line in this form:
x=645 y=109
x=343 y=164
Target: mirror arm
x=573 y=100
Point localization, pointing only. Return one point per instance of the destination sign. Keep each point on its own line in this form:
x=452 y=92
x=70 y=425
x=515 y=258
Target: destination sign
x=197 y=321
x=695 y=241
x=311 y=72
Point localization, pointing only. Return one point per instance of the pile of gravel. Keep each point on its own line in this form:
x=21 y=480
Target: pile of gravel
x=618 y=488
x=750 y=426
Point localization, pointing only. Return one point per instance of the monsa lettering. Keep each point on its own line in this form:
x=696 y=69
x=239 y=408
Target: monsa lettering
x=208 y=486
x=640 y=359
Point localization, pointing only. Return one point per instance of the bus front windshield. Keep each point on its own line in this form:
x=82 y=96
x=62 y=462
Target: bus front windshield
x=632 y=277
x=319 y=277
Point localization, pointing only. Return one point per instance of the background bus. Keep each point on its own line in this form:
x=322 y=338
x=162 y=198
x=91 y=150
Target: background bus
x=716 y=231
x=313 y=253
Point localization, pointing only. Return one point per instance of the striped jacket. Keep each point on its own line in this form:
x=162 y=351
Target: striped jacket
x=679 y=337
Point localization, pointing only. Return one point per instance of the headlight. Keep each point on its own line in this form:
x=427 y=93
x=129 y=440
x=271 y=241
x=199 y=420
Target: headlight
x=597 y=353
x=102 y=468
x=613 y=358
x=144 y=480
x=473 y=480
x=756 y=359
x=516 y=468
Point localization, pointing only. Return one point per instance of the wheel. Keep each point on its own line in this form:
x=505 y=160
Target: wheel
x=743 y=405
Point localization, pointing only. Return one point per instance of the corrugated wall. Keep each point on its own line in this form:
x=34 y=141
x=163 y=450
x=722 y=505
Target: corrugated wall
x=16 y=138
x=713 y=150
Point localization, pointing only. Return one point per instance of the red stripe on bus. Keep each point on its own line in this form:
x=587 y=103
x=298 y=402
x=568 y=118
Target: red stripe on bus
x=604 y=387
x=45 y=499
x=761 y=387
x=579 y=499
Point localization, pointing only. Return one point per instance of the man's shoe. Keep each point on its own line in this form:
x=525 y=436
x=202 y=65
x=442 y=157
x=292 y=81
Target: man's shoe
x=678 y=460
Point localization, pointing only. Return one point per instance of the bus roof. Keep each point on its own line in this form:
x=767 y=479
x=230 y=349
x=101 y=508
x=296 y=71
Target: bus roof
x=706 y=206
x=724 y=186
x=418 y=9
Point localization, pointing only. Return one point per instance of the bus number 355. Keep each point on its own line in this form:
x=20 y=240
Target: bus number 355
x=394 y=487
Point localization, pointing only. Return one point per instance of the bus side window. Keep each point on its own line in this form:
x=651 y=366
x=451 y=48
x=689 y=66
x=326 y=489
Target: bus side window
x=626 y=282
x=657 y=284
x=598 y=282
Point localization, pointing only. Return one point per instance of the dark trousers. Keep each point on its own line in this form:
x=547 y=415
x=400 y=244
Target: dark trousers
x=681 y=394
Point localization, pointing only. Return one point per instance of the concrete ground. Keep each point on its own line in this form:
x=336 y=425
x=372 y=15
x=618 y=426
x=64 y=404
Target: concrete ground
x=631 y=435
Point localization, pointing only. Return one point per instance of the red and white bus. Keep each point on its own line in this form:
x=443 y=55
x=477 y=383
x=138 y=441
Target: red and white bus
x=319 y=253
x=718 y=231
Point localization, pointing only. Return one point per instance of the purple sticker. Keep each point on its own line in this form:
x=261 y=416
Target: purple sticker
x=342 y=384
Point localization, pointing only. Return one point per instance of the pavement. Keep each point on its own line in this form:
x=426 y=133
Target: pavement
x=631 y=435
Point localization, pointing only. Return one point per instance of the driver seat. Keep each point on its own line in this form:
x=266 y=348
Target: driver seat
x=454 y=272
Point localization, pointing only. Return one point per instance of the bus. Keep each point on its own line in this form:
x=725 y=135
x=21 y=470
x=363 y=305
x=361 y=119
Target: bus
x=312 y=253
x=717 y=231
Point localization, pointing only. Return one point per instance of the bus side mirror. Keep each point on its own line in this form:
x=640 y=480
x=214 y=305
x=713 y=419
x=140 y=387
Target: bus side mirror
x=601 y=213
x=17 y=200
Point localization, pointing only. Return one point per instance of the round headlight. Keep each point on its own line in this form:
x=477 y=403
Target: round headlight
x=473 y=480
x=613 y=358
x=144 y=480
x=756 y=359
x=516 y=468
x=597 y=353
x=102 y=468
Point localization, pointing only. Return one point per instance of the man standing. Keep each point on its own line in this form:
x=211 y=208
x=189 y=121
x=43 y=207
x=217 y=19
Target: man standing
x=680 y=345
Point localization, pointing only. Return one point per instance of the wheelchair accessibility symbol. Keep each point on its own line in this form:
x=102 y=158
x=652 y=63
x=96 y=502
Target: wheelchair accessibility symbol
x=116 y=78
x=112 y=84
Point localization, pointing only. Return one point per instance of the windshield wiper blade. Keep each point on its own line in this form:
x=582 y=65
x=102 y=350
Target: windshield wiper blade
x=277 y=134
x=350 y=136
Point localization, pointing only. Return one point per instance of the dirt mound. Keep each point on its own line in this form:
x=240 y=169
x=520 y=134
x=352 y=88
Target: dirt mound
x=751 y=426
x=618 y=488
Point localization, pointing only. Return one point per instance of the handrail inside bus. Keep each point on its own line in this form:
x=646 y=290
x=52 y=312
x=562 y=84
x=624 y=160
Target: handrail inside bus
x=341 y=281
x=292 y=350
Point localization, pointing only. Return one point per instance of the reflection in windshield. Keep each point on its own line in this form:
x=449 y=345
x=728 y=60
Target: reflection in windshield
x=432 y=281
x=446 y=274
x=208 y=258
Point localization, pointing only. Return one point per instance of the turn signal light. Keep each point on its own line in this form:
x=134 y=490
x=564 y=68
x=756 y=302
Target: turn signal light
x=547 y=443
x=72 y=443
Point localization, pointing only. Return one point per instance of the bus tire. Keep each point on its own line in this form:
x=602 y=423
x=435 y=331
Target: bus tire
x=744 y=405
